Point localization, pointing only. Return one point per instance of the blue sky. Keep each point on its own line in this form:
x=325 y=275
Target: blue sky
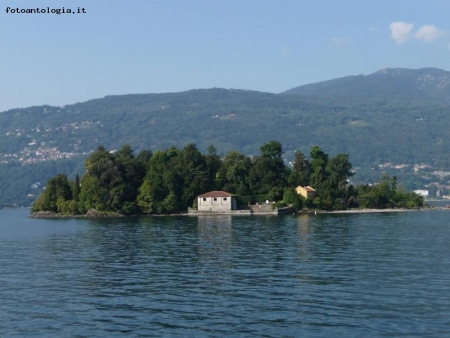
x=155 y=46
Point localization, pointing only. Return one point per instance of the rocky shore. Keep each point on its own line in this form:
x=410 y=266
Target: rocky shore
x=92 y=213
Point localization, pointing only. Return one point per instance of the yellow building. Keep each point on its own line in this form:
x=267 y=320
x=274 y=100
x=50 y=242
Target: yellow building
x=306 y=192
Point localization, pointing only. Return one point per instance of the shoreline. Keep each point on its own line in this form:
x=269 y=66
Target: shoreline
x=369 y=211
x=373 y=211
x=101 y=214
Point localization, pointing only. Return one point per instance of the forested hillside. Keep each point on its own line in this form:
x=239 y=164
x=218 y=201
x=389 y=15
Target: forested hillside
x=429 y=84
x=373 y=129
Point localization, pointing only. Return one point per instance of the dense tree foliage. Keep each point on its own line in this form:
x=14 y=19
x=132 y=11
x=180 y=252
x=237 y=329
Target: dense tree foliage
x=387 y=194
x=175 y=177
x=169 y=181
x=58 y=191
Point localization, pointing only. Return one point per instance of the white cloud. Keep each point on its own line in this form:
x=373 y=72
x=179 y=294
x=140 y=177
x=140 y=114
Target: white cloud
x=341 y=42
x=429 y=33
x=400 y=31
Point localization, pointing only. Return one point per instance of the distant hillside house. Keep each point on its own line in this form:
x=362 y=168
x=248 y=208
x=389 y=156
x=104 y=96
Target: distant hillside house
x=306 y=192
x=216 y=201
x=421 y=192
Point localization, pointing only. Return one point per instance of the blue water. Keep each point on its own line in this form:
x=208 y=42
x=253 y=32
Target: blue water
x=363 y=275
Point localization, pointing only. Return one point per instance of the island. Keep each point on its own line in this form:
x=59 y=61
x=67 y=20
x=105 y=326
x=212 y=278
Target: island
x=173 y=181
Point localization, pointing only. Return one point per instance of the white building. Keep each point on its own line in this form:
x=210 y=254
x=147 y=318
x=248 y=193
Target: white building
x=216 y=201
x=421 y=192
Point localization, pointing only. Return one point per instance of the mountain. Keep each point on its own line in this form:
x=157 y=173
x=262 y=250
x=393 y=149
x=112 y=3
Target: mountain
x=230 y=119
x=389 y=83
x=37 y=142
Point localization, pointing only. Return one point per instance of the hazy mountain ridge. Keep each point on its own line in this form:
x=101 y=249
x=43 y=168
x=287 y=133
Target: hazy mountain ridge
x=391 y=83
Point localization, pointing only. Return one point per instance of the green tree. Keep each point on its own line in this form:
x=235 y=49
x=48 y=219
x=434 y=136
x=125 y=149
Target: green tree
x=213 y=163
x=233 y=174
x=338 y=170
x=318 y=178
x=158 y=180
x=173 y=180
x=57 y=191
x=300 y=171
x=268 y=170
x=318 y=164
x=94 y=194
x=386 y=194
x=102 y=174
x=76 y=189
x=145 y=199
x=195 y=179
x=170 y=203
x=272 y=150
x=291 y=197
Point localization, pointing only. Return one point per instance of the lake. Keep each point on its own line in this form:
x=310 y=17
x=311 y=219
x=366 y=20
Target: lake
x=360 y=275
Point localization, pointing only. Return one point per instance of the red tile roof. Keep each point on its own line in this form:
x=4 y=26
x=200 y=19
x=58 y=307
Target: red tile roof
x=216 y=194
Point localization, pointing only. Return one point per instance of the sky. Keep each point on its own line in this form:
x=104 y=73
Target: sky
x=156 y=46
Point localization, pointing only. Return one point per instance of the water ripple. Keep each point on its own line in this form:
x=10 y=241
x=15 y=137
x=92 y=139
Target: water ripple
x=320 y=276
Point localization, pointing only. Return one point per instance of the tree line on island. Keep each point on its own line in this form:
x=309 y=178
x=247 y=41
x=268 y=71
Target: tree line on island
x=169 y=182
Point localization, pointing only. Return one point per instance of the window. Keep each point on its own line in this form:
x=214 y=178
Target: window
x=215 y=198
x=204 y=199
x=224 y=198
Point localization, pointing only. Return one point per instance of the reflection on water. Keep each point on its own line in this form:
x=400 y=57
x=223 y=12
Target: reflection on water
x=214 y=237
x=214 y=245
x=304 y=233
x=377 y=275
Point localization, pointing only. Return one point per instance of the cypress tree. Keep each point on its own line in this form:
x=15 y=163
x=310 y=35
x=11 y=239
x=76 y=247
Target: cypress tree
x=76 y=189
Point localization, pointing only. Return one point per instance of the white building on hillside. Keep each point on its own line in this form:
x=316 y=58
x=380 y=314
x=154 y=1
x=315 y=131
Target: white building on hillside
x=421 y=192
